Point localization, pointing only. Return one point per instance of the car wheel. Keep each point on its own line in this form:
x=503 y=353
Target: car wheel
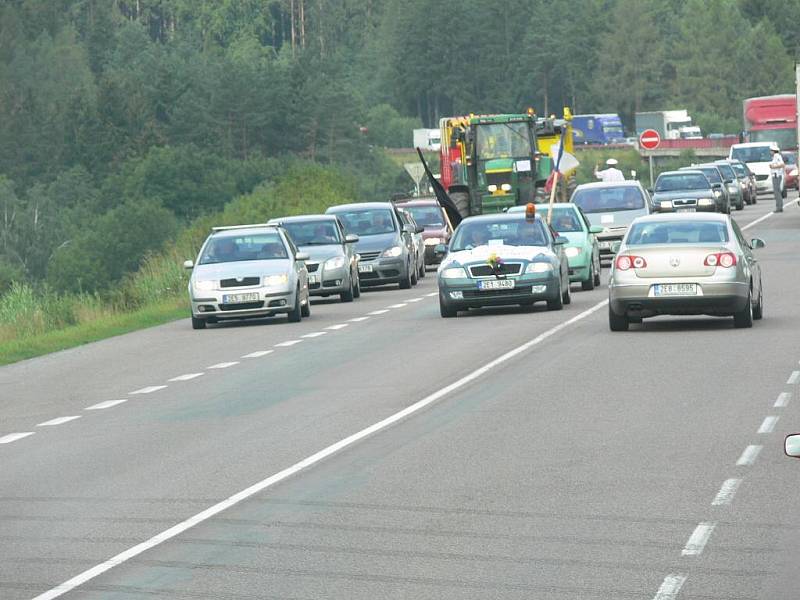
x=566 y=297
x=740 y=206
x=597 y=275
x=406 y=282
x=357 y=286
x=446 y=310
x=198 y=323
x=558 y=303
x=296 y=314
x=589 y=284
x=758 y=309
x=422 y=271
x=305 y=309
x=744 y=318
x=414 y=278
x=617 y=322
x=349 y=294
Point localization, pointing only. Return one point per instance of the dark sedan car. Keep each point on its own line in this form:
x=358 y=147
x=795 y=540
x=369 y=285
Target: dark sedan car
x=685 y=191
x=747 y=180
x=437 y=227
x=731 y=183
x=717 y=181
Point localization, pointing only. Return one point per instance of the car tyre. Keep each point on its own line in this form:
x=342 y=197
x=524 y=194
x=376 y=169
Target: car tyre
x=589 y=284
x=356 y=286
x=566 y=297
x=744 y=318
x=597 y=274
x=617 y=322
x=414 y=278
x=406 y=282
x=305 y=309
x=446 y=310
x=422 y=271
x=349 y=294
x=198 y=323
x=296 y=314
x=558 y=303
x=758 y=309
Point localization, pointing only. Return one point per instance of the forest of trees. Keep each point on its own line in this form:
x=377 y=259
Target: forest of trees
x=122 y=120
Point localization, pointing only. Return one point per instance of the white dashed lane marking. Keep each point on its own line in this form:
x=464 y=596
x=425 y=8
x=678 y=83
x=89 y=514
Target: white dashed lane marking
x=288 y=343
x=749 y=456
x=258 y=354
x=13 y=437
x=106 y=404
x=315 y=334
x=148 y=390
x=186 y=377
x=58 y=421
x=337 y=327
x=726 y=492
x=432 y=294
x=401 y=305
x=383 y=311
x=224 y=365
x=358 y=319
x=783 y=400
x=670 y=588
x=415 y=299
x=793 y=378
x=768 y=426
x=698 y=539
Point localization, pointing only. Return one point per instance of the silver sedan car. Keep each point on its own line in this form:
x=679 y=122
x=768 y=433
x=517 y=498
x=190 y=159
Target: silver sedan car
x=248 y=271
x=685 y=264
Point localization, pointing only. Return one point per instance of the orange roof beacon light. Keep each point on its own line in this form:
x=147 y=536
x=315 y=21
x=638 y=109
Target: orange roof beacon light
x=530 y=211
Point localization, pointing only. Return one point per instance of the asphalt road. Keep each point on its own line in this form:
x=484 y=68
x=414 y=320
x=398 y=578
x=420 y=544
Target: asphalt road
x=540 y=455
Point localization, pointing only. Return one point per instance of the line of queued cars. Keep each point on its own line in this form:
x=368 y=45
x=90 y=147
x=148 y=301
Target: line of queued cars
x=274 y=268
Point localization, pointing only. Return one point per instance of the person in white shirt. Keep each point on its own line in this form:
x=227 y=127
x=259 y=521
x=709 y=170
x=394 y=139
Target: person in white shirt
x=611 y=173
x=776 y=167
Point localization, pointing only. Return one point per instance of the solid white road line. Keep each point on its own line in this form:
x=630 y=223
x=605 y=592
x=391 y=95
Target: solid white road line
x=401 y=305
x=726 y=492
x=106 y=404
x=148 y=390
x=698 y=539
x=793 y=378
x=224 y=365
x=315 y=334
x=670 y=588
x=13 y=437
x=258 y=354
x=186 y=377
x=379 y=312
x=783 y=400
x=270 y=481
x=768 y=426
x=58 y=421
x=337 y=327
x=749 y=456
x=768 y=215
x=358 y=319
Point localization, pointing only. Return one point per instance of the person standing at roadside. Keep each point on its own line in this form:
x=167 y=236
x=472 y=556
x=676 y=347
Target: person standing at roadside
x=611 y=173
x=776 y=167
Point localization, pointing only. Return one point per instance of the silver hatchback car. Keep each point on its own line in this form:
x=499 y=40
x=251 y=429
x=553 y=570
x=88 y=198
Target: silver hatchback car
x=685 y=264
x=248 y=271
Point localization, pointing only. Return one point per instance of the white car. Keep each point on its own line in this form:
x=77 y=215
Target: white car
x=248 y=271
x=758 y=157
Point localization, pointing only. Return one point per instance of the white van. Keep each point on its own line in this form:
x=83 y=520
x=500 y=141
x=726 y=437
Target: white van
x=758 y=157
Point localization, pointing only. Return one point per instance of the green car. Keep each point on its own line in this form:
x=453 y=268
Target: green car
x=582 y=250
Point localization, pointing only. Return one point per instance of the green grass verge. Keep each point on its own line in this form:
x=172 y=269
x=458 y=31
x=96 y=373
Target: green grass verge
x=92 y=331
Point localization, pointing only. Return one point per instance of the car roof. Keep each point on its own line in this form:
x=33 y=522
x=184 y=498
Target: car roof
x=682 y=171
x=610 y=184
x=520 y=208
x=699 y=167
x=360 y=206
x=244 y=230
x=417 y=202
x=494 y=217
x=301 y=219
x=752 y=144
x=698 y=216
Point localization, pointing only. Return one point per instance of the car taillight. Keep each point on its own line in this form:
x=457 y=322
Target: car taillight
x=721 y=259
x=627 y=261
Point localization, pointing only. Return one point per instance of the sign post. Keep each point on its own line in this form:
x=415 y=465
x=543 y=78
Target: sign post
x=650 y=139
x=416 y=171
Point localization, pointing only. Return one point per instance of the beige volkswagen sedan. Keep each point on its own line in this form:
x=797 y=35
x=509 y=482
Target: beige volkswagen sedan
x=685 y=264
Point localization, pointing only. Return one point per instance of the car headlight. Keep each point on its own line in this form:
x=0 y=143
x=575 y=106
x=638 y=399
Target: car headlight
x=276 y=280
x=665 y=204
x=337 y=262
x=204 y=285
x=538 y=267
x=454 y=273
x=705 y=202
x=506 y=187
x=793 y=173
x=571 y=251
x=492 y=188
x=393 y=252
x=732 y=189
x=433 y=241
x=717 y=194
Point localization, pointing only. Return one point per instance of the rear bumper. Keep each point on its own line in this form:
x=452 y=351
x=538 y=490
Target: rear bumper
x=720 y=299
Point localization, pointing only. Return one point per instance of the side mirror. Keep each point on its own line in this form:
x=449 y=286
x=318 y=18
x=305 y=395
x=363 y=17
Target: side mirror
x=561 y=240
x=596 y=229
x=302 y=256
x=757 y=243
x=350 y=238
x=729 y=181
x=440 y=250
x=408 y=229
x=615 y=246
x=650 y=191
x=188 y=264
x=716 y=186
x=791 y=445
x=419 y=229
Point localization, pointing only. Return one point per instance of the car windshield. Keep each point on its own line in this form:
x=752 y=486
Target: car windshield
x=679 y=182
x=752 y=154
x=727 y=171
x=789 y=158
x=677 y=232
x=505 y=232
x=740 y=170
x=427 y=216
x=712 y=174
x=502 y=140
x=609 y=199
x=565 y=220
x=375 y=221
x=254 y=246
x=313 y=233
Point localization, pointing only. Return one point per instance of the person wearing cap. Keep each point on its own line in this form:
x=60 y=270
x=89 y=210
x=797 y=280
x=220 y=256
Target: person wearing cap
x=611 y=173
x=776 y=167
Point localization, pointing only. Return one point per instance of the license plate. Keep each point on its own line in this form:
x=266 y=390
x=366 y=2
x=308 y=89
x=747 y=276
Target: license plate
x=313 y=279
x=675 y=289
x=365 y=268
x=496 y=284
x=686 y=210
x=239 y=298
x=604 y=245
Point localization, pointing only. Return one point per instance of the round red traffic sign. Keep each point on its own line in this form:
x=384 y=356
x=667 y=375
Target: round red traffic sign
x=650 y=139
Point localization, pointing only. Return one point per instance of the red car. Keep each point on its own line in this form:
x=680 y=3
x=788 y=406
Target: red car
x=791 y=179
x=429 y=214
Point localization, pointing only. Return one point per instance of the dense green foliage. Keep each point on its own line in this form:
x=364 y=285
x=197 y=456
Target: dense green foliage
x=123 y=121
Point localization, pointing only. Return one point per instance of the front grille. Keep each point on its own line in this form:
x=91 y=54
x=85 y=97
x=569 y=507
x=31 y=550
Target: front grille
x=502 y=293
x=242 y=306
x=330 y=283
x=245 y=281
x=487 y=271
x=369 y=255
x=313 y=286
x=372 y=275
x=312 y=267
x=498 y=179
x=762 y=177
x=685 y=202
